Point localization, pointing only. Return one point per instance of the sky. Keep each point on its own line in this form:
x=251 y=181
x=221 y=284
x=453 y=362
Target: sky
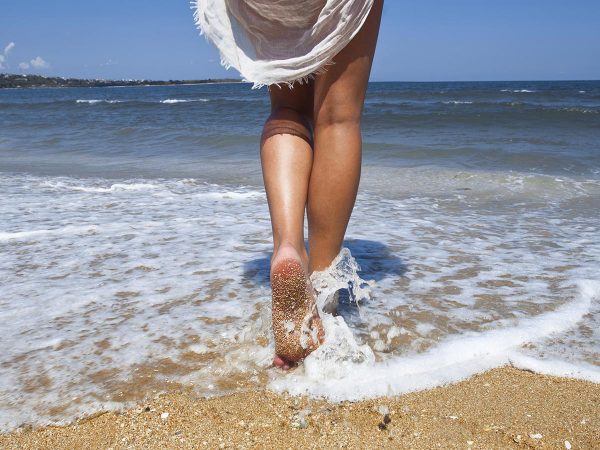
x=420 y=40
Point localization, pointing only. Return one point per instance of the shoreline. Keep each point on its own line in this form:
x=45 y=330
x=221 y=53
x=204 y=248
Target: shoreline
x=124 y=85
x=33 y=81
x=501 y=408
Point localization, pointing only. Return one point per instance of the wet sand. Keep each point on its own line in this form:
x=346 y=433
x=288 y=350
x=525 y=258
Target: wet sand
x=502 y=408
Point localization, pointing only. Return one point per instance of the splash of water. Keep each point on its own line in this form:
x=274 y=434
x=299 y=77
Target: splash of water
x=344 y=369
x=340 y=352
x=342 y=273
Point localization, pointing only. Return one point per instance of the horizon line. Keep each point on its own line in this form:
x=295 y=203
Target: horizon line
x=371 y=81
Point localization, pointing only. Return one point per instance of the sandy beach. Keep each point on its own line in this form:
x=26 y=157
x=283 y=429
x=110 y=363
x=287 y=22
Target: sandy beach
x=502 y=408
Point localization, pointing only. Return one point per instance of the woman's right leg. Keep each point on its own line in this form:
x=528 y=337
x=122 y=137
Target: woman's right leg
x=335 y=174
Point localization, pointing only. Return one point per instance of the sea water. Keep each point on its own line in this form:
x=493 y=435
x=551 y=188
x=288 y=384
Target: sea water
x=135 y=242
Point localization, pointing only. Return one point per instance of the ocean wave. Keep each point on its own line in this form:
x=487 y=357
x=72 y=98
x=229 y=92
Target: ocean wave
x=168 y=101
x=116 y=187
x=580 y=110
x=171 y=101
x=517 y=90
x=457 y=102
x=69 y=229
x=96 y=101
x=230 y=195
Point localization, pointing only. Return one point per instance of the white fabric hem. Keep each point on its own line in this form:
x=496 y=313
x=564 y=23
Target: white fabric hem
x=338 y=22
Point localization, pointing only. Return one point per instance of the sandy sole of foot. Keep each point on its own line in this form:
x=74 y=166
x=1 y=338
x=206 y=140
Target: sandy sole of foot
x=502 y=408
x=291 y=298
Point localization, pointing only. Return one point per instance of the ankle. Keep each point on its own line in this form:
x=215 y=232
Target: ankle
x=320 y=261
x=286 y=249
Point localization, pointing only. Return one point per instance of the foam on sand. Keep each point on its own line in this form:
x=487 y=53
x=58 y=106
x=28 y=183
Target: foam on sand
x=113 y=288
x=344 y=370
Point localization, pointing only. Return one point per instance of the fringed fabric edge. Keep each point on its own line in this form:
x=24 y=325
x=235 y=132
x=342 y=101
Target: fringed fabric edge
x=227 y=64
x=300 y=80
x=195 y=7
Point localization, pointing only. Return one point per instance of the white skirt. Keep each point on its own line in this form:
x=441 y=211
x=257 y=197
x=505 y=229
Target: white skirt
x=279 y=41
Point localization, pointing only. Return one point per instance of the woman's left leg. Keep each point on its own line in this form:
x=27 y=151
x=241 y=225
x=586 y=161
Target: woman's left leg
x=286 y=157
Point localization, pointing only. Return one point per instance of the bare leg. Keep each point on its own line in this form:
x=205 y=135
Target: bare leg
x=335 y=175
x=286 y=157
x=288 y=166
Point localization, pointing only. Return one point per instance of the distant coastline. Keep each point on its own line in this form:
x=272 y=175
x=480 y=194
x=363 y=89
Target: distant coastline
x=35 y=81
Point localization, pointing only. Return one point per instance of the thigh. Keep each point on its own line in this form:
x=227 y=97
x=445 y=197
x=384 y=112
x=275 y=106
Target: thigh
x=340 y=90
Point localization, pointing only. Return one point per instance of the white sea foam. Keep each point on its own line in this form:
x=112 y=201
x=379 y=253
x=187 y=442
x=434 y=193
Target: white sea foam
x=116 y=187
x=230 y=195
x=168 y=101
x=69 y=229
x=517 y=90
x=96 y=101
x=337 y=374
x=106 y=281
x=171 y=101
x=554 y=367
x=458 y=102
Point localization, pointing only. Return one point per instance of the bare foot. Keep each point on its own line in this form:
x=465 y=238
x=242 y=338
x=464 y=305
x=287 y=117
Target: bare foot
x=296 y=324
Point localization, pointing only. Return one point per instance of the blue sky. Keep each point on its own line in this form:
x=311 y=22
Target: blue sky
x=421 y=40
